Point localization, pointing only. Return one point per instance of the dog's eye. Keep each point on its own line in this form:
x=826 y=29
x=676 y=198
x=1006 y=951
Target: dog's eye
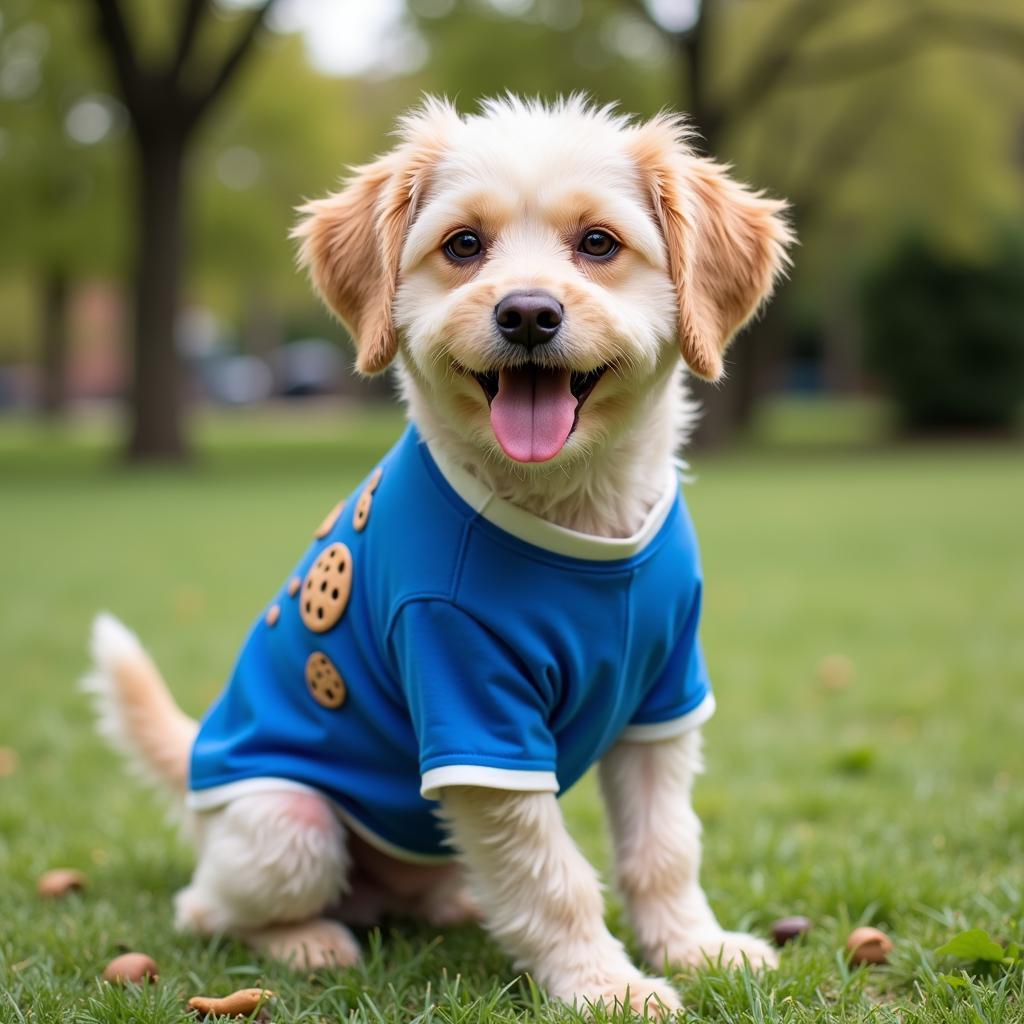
x=463 y=245
x=598 y=245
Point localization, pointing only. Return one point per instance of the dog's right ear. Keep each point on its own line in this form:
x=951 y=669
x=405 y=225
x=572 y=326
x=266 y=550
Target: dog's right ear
x=351 y=242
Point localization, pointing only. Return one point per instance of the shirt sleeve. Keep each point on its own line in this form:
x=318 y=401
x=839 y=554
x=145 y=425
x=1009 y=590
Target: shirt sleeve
x=680 y=698
x=479 y=718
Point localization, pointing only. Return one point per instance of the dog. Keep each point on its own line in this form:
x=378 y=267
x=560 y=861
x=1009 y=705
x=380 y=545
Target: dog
x=513 y=593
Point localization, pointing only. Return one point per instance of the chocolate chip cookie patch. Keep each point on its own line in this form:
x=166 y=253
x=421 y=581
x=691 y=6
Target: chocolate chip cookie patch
x=361 y=516
x=327 y=588
x=324 y=595
x=328 y=522
x=324 y=681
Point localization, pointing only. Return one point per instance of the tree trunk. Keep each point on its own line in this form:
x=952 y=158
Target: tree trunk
x=262 y=330
x=842 y=339
x=164 y=111
x=53 y=354
x=719 y=402
x=158 y=377
x=763 y=348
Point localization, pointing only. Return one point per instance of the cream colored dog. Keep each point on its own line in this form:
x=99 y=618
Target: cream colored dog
x=452 y=258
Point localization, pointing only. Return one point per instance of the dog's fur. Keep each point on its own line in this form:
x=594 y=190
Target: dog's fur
x=699 y=254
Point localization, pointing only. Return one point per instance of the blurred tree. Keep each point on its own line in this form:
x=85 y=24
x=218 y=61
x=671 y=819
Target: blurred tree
x=946 y=336
x=545 y=48
x=801 y=45
x=166 y=98
x=60 y=156
x=797 y=92
x=258 y=157
x=861 y=112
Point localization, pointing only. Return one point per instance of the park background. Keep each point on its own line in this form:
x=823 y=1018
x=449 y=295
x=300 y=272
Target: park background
x=177 y=412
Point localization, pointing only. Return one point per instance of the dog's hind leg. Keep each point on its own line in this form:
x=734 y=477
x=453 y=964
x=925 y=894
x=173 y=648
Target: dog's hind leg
x=269 y=865
x=382 y=885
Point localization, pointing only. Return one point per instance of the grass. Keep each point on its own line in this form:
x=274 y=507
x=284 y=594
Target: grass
x=865 y=629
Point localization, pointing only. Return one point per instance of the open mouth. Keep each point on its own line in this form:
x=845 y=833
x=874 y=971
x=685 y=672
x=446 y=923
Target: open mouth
x=534 y=409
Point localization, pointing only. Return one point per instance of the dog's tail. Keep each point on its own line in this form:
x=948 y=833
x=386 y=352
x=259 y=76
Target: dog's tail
x=134 y=710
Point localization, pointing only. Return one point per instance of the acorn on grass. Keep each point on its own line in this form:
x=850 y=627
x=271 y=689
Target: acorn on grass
x=134 y=968
x=868 y=946
x=786 y=929
x=59 y=882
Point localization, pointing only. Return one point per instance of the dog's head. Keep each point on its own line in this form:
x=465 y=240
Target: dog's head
x=539 y=268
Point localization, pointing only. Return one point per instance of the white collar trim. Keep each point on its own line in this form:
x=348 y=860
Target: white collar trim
x=539 y=532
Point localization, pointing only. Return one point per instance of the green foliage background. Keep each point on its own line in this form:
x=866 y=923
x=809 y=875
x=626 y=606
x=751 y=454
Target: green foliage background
x=935 y=132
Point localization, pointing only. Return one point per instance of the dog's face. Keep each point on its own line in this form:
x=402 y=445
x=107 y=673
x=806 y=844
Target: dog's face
x=540 y=268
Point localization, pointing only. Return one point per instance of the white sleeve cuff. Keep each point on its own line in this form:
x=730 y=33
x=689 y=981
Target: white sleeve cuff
x=436 y=779
x=657 y=731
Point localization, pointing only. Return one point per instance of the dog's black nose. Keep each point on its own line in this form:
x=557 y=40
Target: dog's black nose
x=528 y=318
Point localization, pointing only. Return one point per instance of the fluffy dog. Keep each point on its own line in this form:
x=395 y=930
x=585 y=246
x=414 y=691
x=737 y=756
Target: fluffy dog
x=515 y=592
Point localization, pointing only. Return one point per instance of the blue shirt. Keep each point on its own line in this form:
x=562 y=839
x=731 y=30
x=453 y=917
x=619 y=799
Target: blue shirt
x=477 y=645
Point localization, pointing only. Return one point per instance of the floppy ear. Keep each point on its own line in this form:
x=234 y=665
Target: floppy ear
x=726 y=244
x=350 y=249
x=351 y=242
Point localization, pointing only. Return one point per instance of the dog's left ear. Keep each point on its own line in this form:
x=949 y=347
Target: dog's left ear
x=351 y=242
x=726 y=244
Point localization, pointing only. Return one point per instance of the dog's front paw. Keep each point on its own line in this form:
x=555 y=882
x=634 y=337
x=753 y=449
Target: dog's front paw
x=653 y=996
x=730 y=949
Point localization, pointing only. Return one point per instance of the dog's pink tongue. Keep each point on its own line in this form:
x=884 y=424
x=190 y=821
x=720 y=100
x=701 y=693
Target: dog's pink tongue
x=532 y=413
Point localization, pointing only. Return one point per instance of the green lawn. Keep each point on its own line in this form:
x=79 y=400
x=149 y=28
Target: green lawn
x=896 y=799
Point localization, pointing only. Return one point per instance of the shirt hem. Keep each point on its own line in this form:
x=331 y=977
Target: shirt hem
x=217 y=796
x=654 y=732
x=435 y=779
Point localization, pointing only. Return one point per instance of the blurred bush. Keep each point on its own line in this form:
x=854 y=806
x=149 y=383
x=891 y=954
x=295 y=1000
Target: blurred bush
x=946 y=336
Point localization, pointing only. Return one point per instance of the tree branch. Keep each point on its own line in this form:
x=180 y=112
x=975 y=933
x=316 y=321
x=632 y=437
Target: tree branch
x=984 y=31
x=113 y=31
x=889 y=47
x=796 y=24
x=858 y=58
x=845 y=61
x=884 y=49
x=233 y=61
x=191 y=15
x=836 y=153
